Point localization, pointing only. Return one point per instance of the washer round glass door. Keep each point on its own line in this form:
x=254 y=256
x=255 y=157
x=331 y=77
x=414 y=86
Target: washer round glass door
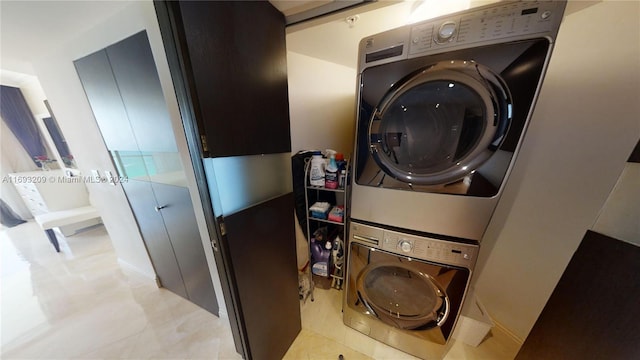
x=440 y=123
x=402 y=297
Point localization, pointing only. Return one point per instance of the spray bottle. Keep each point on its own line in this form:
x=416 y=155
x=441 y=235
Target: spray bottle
x=331 y=173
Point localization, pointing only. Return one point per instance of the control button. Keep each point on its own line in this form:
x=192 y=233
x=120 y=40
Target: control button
x=466 y=256
x=405 y=246
x=545 y=15
x=446 y=32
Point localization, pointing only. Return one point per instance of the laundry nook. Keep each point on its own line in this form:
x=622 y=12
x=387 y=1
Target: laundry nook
x=294 y=179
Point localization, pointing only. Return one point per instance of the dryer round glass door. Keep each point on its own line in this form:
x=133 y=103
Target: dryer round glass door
x=440 y=123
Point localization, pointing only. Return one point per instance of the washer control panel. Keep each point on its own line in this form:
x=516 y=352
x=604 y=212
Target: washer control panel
x=420 y=247
x=488 y=23
x=414 y=246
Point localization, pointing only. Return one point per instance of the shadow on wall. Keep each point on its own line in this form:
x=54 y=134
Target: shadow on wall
x=326 y=123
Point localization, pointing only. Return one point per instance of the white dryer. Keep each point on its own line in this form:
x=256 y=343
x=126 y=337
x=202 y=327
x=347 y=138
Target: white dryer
x=443 y=106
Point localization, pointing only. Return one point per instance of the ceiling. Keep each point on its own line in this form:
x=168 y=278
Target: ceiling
x=296 y=11
x=335 y=38
x=28 y=31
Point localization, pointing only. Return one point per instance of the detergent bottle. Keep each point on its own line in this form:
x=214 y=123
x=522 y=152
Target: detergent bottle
x=316 y=173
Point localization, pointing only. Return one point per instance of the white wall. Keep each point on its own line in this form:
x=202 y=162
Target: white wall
x=322 y=112
x=620 y=216
x=67 y=99
x=321 y=104
x=585 y=125
x=66 y=96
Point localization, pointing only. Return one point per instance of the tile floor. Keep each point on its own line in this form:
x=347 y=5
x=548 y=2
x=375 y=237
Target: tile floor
x=81 y=304
x=324 y=336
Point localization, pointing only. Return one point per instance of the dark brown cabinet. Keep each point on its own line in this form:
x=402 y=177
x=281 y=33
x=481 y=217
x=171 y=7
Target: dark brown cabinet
x=124 y=91
x=143 y=202
x=228 y=65
x=238 y=70
x=593 y=312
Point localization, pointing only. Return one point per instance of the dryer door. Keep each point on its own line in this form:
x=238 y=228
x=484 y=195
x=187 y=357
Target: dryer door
x=440 y=123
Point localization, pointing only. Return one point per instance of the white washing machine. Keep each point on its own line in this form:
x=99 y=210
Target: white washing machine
x=443 y=106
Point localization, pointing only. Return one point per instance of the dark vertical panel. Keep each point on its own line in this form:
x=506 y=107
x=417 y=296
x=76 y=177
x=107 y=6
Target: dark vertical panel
x=56 y=136
x=138 y=82
x=261 y=243
x=180 y=221
x=635 y=154
x=172 y=30
x=16 y=114
x=237 y=55
x=143 y=203
x=594 y=311
x=104 y=97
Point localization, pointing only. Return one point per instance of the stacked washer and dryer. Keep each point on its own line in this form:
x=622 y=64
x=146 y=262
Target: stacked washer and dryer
x=443 y=106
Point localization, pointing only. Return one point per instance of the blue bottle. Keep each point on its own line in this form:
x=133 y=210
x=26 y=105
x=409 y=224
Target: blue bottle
x=331 y=174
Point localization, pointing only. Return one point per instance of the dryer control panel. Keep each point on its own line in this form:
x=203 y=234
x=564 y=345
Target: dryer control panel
x=487 y=23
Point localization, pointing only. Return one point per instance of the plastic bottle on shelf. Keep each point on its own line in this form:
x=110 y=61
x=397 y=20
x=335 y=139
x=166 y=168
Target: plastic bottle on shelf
x=317 y=171
x=342 y=179
x=342 y=164
x=331 y=174
x=342 y=170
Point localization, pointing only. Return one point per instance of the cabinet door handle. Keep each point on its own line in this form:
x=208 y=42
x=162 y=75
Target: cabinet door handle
x=158 y=208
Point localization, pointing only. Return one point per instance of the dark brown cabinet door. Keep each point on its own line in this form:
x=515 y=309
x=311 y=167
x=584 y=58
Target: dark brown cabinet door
x=181 y=225
x=260 y=243
x=139 y=86
x=102 y=91
x=143 y=203
x=238 y=61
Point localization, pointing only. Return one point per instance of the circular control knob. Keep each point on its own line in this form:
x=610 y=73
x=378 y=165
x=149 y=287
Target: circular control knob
x=445 y=32
x=405 y=246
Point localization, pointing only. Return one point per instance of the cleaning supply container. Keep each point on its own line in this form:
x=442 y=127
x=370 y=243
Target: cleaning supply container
x=331 y=174
x=317 y=171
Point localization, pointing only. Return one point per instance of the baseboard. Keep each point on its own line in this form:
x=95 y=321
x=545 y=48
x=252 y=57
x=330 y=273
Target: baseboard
x=508 y=332
x=147 y=276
